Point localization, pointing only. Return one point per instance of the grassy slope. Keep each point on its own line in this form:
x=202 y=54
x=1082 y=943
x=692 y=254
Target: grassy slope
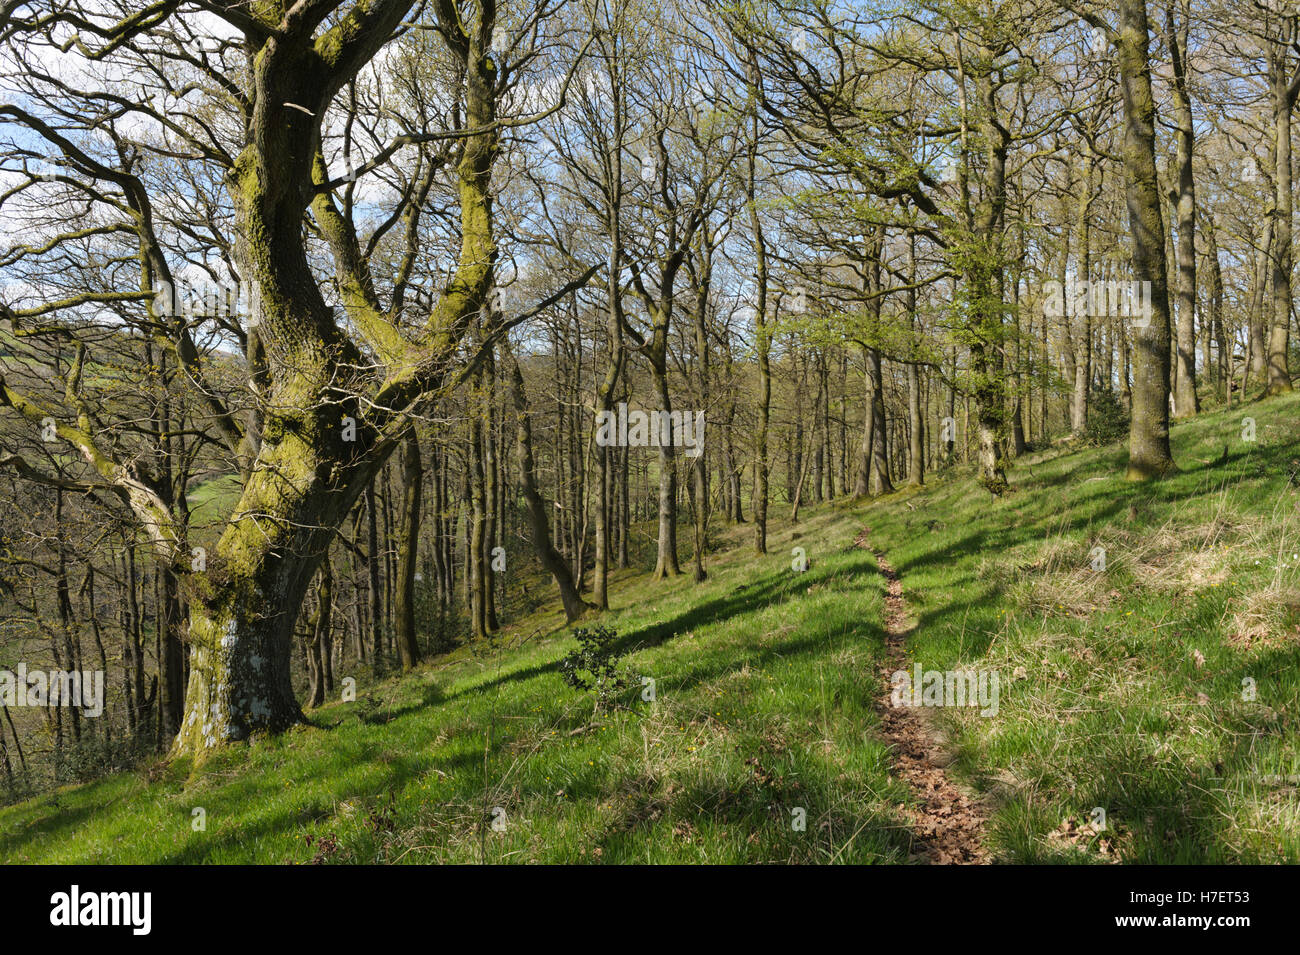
x=763 y=704
x=1123 y=689
x=764 y=691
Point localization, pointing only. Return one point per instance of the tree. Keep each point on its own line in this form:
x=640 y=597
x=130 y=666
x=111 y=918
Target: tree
x=1184 y=196
x=331 y=394
x=1149 y=452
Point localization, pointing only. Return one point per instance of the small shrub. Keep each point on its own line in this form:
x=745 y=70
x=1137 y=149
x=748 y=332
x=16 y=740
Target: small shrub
x=95 y=756
x=1107 y=420
x=594 y=665
x=372 y=711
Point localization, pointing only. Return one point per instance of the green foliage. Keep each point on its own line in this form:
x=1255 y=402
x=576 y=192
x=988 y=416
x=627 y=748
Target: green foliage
x=371 y=710
x=1120 y=689
x=594 y=665
x=94 y=756
x=1107 y=420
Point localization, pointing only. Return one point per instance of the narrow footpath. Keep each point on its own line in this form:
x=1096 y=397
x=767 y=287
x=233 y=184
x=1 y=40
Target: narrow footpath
x=947 y=823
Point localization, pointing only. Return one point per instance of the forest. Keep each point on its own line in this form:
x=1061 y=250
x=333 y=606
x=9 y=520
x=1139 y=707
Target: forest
x=356 y=356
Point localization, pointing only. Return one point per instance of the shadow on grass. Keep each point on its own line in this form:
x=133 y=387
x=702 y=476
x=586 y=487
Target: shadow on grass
x=744 y=600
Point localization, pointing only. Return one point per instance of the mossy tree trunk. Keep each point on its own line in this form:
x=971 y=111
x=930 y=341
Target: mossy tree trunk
x=1185 y=400
x=408 y=550
x=1283 y=90
x=762 y=333
x=1149 y=452
x=983 y=269
x=330 y=399
x=329 y=414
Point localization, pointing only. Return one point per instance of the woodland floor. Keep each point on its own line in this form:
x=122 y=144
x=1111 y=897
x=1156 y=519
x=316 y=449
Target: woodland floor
x=946 y=820
x=1148 y=711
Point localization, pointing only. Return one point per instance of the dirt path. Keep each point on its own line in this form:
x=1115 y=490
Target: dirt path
x=947 y=823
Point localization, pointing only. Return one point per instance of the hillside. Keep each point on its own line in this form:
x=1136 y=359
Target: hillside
x=1125 y=688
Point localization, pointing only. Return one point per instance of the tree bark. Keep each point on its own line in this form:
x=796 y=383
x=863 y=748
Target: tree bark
x=1185 y=400
x=1149 y=452
x=408 y=549
x=538 y=520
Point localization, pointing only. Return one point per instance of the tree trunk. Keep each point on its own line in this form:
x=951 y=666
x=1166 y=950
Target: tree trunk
x=862 y=483
x=881 y=481
x=318 y=639
x=1260 y=306
x=491 y=530
x=915 y=420
x=1218 y=329
x=1283 y=91
x=1082 y=341
x=1185 y=400
x=373 y=591
x=985 y=308
x=763 y=347
x=538 y=520
x=1149 y=452
x=408 y=549
x=317 y=450
x=477 y=556
x=666 y=560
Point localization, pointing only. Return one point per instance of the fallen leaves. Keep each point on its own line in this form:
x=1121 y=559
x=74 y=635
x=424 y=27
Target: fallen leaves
x=947 y=823
x=1085 y=837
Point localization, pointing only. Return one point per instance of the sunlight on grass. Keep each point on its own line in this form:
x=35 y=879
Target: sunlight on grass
x=1127 y=688
x=763 y=705
x=1161 y=689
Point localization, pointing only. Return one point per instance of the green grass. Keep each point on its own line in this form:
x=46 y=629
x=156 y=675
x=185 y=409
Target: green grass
x=1123 y=689
x=763 y=684
x=212 y=499
x=1120 y=689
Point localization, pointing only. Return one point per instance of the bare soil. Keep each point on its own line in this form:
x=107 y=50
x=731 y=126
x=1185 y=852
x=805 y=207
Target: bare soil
x=947 y=822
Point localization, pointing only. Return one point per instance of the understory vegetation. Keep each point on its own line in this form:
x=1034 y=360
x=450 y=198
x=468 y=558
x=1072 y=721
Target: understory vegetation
x=1125 y=689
